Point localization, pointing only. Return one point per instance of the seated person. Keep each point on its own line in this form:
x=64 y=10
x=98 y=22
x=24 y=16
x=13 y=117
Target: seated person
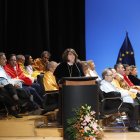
x=125 y=75
x=133 y=75
x=86 y=68
x=49 y=79
x=20 y=60
x=6 y=83
x=14 y=71
x=41 y=63
x=88 y=72
x=116 y=83
x=107 y=87
x=28 y=67
x=93 y=72
x=123 y=80
x=50 y=85
x=9 y=101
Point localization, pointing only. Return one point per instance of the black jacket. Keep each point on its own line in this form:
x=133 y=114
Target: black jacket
x=65 y=70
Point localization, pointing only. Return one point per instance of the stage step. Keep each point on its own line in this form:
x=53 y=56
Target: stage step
x=49 y=132
x=28 y=126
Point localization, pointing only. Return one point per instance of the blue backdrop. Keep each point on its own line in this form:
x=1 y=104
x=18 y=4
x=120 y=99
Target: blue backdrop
x=106 y=24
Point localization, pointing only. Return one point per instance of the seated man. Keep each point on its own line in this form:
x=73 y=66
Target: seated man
x=41 y=63
x=116 y=83
x=50 y=84
x=7 y=84
x=107 y=87
x=9 y=102
x=123 y=80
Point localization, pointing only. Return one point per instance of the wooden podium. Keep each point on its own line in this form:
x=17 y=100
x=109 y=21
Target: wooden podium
x=78 y=91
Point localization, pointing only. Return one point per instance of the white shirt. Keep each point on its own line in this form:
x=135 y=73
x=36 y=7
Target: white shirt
x=29 y=69
x=108 y=87
x=93 y=74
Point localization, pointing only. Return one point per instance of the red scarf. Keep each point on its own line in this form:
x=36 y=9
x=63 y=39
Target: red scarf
x=128 y=81
x=17 y=73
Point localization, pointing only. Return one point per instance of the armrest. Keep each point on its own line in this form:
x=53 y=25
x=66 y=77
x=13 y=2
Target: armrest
x=51 y=92
x=112 y=98
x=108 y=102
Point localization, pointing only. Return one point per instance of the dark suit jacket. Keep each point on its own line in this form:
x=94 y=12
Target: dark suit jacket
x=134 y=79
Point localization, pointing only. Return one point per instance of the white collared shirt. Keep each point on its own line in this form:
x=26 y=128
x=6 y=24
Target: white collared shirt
x=108 y=87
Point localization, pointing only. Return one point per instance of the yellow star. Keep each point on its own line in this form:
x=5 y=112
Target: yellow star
x=120 y=59
x=132 y=53
x=123 y=54
x=127 y=52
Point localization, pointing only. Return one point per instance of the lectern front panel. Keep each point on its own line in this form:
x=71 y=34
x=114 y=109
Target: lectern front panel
x=76 y=96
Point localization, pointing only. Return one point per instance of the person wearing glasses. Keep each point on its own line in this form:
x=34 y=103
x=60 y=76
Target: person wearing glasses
x=106 y=86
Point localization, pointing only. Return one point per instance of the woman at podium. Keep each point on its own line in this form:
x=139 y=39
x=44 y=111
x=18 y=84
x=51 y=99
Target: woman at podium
x=70 y=67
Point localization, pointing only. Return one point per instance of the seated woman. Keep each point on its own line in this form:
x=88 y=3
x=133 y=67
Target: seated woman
x=92 y=70
x=86 y=68
x=28 y=67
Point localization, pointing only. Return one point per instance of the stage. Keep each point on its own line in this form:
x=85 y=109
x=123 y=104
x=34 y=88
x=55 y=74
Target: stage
x=35 y=128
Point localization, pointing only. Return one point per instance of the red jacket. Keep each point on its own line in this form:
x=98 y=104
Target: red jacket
x=17 y=73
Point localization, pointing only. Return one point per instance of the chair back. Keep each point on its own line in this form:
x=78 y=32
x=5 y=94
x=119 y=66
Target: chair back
x=40 y=81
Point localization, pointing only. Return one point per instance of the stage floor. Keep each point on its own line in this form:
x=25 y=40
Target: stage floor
x=27 y=128
x=107 y=136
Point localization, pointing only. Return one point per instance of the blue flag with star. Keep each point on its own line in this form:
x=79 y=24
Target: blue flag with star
x=126 y=53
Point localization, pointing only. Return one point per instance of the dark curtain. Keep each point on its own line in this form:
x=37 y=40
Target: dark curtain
x=32 y=26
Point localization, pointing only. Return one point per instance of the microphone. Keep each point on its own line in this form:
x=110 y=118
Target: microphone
x=78 y=70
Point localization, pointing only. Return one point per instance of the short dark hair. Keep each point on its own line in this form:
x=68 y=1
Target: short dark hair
x=9 y=56
x=117 y=65
x=45 y=52
x=125 y=66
